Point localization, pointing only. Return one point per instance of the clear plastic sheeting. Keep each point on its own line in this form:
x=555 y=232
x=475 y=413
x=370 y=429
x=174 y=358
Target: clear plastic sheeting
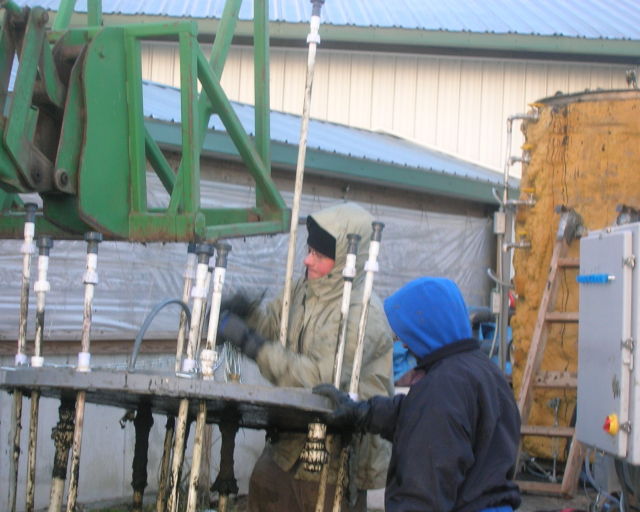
x=134 y=277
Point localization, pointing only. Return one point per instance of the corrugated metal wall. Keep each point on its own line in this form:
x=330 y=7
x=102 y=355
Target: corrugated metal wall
x=457 y=105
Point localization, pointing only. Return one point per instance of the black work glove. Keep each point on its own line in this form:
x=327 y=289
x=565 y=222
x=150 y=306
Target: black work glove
x=347 y=412
x=242 y=303
x=232 y=328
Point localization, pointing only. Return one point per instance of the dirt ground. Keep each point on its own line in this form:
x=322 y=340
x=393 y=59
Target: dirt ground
x=530 y=503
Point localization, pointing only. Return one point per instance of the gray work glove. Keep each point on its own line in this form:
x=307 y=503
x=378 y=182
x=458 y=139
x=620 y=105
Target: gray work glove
x=347 y=413
x=233 y=328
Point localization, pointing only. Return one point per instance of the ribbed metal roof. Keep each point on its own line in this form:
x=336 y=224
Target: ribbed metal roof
x=592 y=19
x=163 y=103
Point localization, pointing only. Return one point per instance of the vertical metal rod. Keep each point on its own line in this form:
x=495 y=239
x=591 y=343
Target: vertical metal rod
x=21 y=357
x=16 y=427
x=31 y=456
x=94 y=13
x=27 y=250
x=90 y=280
x=313 y=39
x=202 y=432
x=504 y=257
x=205 y=302
x=74 y=476
x=198 y=293
x=371 y=267
x=41 y=287
x=342 y=473
x=348 y=274
x=222 y=253
x=142 y=424
x=261 y=82
x=196 y=457
x=504 y=244
x=324 y=477
x=62 y=435
x=178 y=454
x=169 y=429
x=505 y=278
x=207 y=361
x=189 y=275
x=63 y=16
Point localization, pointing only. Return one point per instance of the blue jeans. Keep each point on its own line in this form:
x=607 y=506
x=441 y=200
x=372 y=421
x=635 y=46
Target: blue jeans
x=504 y=508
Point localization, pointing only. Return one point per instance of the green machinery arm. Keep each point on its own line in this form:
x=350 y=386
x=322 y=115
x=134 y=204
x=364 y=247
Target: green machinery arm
x=73 y=130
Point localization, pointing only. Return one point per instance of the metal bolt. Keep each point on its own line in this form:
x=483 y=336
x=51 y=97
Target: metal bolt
x=61 y=178
x=30 y=212
x=222 y=251
x=204 y=252
x=93 y=238
x=376 y=236
x=44 y=243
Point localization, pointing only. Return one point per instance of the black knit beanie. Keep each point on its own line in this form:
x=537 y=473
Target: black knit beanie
x=320 y=240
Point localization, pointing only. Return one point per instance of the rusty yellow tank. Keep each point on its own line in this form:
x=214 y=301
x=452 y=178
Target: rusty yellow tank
x=585 y=154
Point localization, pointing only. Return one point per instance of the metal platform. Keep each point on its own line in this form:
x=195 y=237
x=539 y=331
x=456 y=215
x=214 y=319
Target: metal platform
x=254 y=406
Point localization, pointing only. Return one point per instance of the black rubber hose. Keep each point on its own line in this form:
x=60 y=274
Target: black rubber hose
x=147 y=323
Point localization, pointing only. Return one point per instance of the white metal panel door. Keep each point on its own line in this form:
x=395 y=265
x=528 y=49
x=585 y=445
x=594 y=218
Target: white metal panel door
x=605 y=326
x=633 y=452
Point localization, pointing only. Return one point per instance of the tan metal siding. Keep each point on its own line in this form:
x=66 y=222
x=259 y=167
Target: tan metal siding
x=339 y=86
x=383 y=83
x=295 y=70
x=448 y=98
x=320 y=93
x=490 y=108
x=404 y=95
x=427 y=106
x=470 y=107
x=458 y=105
x=361 y=91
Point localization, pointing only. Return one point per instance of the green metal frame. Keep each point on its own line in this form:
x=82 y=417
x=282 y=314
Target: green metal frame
x=75 y=130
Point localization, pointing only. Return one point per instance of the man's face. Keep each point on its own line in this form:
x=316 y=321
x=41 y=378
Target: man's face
x=318 y=265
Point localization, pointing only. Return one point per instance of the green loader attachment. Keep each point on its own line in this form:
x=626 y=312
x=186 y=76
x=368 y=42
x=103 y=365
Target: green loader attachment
x=73 y=129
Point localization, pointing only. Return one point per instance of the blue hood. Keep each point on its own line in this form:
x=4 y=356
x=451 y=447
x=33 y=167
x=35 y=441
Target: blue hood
x=427 y=314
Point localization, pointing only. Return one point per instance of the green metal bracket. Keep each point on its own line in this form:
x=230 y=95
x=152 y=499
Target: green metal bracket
x=75 y=130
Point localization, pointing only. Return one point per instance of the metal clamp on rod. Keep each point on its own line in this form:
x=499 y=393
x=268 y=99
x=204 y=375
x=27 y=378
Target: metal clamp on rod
x=313 y=39
x=371 y=267
x=189 y=276
x=349 y=273
x=198 y=294
x=27 y=250
x=208 y=355
x=41 y=287
x=21 y=356
x=90 y=279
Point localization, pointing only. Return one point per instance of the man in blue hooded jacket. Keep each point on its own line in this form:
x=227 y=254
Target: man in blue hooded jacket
x=456 y=432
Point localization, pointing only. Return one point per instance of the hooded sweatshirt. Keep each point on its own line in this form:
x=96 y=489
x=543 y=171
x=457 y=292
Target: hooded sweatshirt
x=456 y=433
x=312 y=336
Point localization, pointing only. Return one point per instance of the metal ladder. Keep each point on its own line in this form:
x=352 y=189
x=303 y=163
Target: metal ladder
x=568 y=229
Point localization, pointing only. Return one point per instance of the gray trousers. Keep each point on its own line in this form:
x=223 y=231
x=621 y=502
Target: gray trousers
x=273 y=490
